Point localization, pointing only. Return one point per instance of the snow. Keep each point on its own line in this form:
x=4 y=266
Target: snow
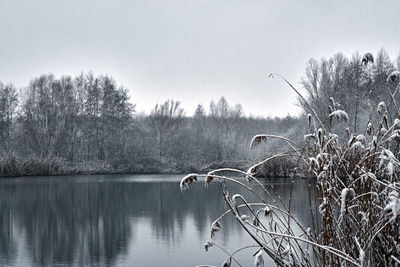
x=343 y=201
x=333 y=136
x=321 y=157
x=313 y=163
x=360 y=252
x=361 y=138
x=321 y=175
x=257 y=139
x=340 y=115
x=351 y=140
x=365 y=177
x=387 y=156
x=244 y=218
x=308 y=137
x=364 y=219
x=250 y=172
x=381 y=107
x=358 y=146
x=234 y=197
x=392 y=209
x=390 y=168
x=322 y=207
x=345 y=192
x=396 y=124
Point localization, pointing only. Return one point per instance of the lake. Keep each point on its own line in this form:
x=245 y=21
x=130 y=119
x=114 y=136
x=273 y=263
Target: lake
x=122 y=220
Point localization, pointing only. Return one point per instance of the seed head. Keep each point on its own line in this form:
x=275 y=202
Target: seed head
x=393 y=76
x=215 y=227
x=244 y=217
x=188 y=180
x=227 y=262
x=309 y=120
x=370 y=128
x=207 y=245
x=381 y=107
x=367 y=58
x=267 y=211
x=209 y=178
x=257 y=139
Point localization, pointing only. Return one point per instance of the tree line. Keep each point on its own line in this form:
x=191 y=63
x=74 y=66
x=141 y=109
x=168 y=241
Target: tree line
x=88 y=123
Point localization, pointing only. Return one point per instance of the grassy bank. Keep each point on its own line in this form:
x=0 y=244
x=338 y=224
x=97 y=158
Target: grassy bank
x=14 y=166
x=17 y=166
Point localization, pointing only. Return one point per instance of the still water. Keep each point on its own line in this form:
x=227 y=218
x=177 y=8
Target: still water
x=121 y=220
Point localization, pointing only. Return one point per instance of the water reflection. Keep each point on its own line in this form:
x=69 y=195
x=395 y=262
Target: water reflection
x=117 y=220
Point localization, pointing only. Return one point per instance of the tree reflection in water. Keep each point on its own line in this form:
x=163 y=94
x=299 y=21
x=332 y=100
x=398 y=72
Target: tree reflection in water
x=93 y=220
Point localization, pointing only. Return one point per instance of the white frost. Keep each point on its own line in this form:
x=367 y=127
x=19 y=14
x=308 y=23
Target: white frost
x=396 y=124
x=234 y=197
x=244 y=218
x=346 y=191
x=343 y=201
x=257 y=139
x=387 y=156
x=358 y=146
x=340 y=115
x=313 y=163
x=361 y=138
x=381 y=107
x=322 y=207
x=364 y=219
x=187 y=180
x=392 y=209
x=360 y=252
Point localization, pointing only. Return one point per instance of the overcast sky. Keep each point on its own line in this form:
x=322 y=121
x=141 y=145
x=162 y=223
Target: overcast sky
x=191 y=50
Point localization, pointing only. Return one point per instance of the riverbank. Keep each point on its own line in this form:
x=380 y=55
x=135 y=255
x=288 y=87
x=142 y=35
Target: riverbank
x=16 y=166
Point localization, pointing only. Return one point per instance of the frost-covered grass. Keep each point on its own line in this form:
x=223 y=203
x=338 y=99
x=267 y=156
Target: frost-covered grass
x=357 y=180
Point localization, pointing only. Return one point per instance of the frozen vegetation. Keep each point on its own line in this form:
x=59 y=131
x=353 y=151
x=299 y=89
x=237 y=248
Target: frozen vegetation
x=351 y=149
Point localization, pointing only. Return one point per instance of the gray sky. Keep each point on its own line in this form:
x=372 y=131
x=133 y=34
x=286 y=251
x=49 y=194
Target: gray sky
x=192 y=51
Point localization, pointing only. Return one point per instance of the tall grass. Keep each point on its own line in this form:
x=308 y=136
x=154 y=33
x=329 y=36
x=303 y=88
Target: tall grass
x=13 y=166
x=357 y=183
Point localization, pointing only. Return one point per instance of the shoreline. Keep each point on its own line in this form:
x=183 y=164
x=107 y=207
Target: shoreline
x=16 y=166
x=297 y=176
